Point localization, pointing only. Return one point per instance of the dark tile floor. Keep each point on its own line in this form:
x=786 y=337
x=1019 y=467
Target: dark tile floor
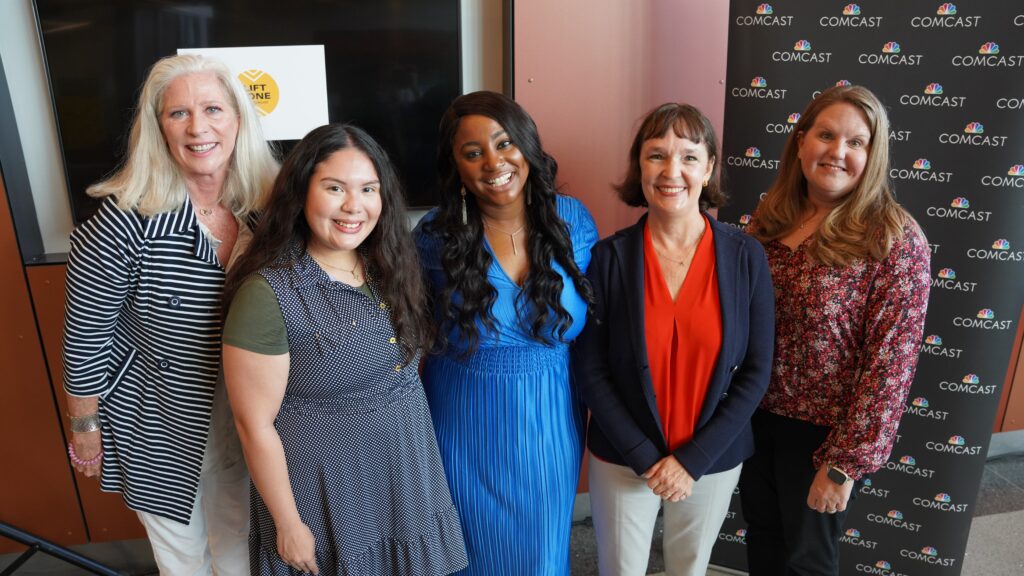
x=1002 y=486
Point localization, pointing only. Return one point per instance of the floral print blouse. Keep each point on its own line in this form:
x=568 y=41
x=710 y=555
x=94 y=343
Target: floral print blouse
x=846 y=346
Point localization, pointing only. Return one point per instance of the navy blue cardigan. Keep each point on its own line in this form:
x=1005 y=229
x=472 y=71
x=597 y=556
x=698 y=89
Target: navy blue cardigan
x=610 y=356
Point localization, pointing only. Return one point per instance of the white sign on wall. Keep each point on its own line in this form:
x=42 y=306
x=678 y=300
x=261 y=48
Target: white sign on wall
x=288 y=85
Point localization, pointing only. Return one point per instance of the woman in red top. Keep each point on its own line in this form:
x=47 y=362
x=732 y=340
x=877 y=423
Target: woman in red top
x=851 y=272
x=676 y=355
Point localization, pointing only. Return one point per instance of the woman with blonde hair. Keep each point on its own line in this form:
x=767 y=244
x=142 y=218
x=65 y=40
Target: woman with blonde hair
x=851 y=274
x=142 y=319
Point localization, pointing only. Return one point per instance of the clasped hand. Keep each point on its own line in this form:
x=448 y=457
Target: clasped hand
x=668 y=479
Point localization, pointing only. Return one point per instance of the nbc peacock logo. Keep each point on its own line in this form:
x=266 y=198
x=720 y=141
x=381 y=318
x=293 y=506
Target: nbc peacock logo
x=742 y=532
x=262 y=90
x=793 y=118
x=851 y=10
x=1001 y=244
x=956 y=440
x=802 y=46
x=933 y=88
x=974 y=128
x=752 y=152
x=934 y=340
x=947 y=273
x=960 y=202
x=989 y=48
x=922 y=164
x=765 y=9
x=908 y=460
x=943 y=497
x=891 y=48
x=972 y=378
x=986 y=314
x=853 y=533
x=920 y=402
x=930 y=551
x=758 y=82
x=1016 y=170
x=745 y=219
x=946 y=9
x=844 y=83
x=895 y=515
x=883 y=565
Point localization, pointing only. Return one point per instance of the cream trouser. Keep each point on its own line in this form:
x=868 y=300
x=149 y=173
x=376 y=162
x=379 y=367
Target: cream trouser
x=625 y=510
x=216 y=541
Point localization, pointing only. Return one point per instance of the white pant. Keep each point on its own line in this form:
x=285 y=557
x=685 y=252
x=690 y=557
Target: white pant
x=625 y=510
x=216 y=541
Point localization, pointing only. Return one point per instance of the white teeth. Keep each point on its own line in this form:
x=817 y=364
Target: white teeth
x=501 y=180
x=202 y=147
x=347 y=225
x=669 y=190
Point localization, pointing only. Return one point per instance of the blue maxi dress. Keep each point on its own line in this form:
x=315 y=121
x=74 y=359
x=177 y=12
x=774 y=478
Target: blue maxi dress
x=509 y=422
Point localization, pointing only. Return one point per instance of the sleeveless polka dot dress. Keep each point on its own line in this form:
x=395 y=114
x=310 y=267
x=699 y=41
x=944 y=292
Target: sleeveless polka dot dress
x=360 y=447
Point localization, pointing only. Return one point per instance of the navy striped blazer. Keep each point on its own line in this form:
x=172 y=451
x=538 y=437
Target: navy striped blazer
x=142 y=331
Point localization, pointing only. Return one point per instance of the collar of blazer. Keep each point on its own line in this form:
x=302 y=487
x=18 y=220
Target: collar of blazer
x=628 y=248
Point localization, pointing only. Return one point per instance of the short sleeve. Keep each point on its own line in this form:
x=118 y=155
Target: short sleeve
x=255 y=322
x=582 y=230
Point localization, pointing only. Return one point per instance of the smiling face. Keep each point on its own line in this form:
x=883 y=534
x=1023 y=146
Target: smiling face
x=343 y=202
x=199 y=125
x=834 y=152
x=490 y=165
x=672 y=173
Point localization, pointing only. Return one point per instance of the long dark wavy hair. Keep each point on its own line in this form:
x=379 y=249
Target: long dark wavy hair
x=464 y=258
x=388 y=252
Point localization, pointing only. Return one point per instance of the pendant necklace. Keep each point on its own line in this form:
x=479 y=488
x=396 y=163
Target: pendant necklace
x=351 y=272
x=511 y=235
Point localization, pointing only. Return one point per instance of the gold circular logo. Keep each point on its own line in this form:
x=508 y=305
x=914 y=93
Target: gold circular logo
x=262 y=90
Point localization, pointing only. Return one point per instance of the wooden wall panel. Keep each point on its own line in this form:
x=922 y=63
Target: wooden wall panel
x=1010 y=415
x=38 y=493
x=105 y=514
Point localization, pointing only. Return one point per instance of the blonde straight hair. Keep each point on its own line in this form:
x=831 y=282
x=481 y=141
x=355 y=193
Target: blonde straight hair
x=149 y=180
x=867 y=221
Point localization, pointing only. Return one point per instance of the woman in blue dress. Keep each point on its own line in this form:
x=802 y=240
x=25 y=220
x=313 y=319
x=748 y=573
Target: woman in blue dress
x=505 y=256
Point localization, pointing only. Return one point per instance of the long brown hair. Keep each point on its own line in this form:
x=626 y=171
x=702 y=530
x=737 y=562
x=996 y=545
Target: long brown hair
x=867 y=221
x=388 y=251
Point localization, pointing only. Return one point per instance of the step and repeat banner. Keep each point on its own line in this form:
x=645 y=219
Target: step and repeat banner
x=952 y=77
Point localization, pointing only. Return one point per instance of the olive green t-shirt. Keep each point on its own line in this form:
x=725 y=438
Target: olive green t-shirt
x=255 y=322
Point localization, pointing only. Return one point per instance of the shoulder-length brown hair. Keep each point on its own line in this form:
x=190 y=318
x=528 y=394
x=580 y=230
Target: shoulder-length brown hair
x=867 y=221
x=687 y=122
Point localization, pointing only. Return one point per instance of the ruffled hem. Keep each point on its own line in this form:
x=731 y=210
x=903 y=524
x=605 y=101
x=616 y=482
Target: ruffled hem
x=437 y=553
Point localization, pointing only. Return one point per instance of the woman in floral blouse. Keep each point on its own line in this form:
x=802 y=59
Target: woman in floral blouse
x=851 y=274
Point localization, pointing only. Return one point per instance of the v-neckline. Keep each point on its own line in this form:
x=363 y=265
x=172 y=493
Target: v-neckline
x=497 y=263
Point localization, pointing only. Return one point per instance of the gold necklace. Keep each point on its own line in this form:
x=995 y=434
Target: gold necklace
x=511 y=235
x=355 y=275
x=691 y=251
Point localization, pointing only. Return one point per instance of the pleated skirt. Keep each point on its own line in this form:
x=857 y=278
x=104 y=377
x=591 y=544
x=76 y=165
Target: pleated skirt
x=509 y=426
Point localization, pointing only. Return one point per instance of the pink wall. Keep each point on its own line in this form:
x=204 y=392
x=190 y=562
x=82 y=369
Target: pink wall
x=587 y=70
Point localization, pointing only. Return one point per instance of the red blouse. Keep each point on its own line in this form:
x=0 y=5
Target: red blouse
x=684 y=337
x=846 y=346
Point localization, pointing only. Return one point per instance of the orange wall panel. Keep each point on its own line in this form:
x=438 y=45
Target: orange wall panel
x=38 y=493
x=105 y=514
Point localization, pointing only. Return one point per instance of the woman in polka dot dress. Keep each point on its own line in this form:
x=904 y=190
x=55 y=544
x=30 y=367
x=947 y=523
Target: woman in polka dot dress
x=321 y=350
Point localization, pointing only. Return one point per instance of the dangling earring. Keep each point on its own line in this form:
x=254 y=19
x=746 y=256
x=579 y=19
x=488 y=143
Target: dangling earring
x=706 y=182
x=463 y=193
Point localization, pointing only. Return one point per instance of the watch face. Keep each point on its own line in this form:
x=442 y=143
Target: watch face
x=836 y=476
